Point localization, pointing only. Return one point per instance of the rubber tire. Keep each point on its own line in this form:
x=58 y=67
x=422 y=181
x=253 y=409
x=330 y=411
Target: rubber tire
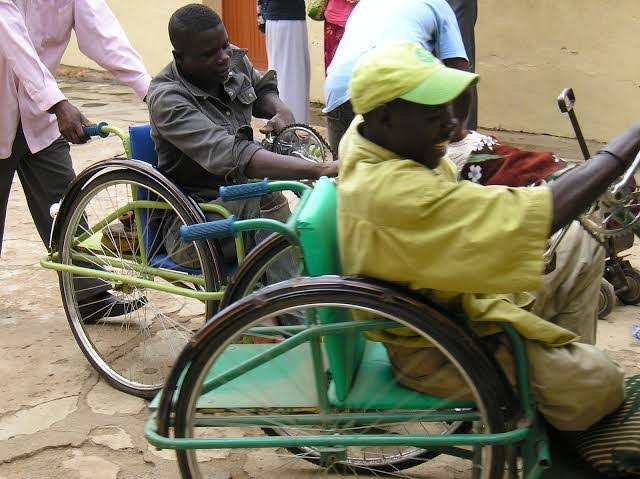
x=632 y=295
x=489 y=382
x=210 y=270
x=252 y=266
x=607 y=299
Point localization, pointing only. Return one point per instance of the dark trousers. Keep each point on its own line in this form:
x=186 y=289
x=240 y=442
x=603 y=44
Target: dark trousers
x=467 y=13
x=338 y=121
x=44 y=177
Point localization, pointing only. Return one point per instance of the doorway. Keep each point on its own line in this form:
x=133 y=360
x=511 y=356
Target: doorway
x=242 y=27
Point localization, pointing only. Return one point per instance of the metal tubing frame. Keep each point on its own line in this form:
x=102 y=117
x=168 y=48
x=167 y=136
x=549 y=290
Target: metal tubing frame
x=422 y=441
x=445 y=442
x=535 y=445
x=49 y=263
x=335 y=419
x=132 y=264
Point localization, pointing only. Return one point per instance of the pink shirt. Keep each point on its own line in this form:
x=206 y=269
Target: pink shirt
x=338 y=11
x=33 y=37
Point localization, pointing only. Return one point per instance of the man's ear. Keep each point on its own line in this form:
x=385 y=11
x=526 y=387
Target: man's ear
x=177 y=56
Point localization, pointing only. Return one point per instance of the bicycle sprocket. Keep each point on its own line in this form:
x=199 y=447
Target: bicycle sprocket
x=304 y=142
x=613 y=215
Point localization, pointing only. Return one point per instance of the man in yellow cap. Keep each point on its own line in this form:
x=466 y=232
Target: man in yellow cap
x=404 y=217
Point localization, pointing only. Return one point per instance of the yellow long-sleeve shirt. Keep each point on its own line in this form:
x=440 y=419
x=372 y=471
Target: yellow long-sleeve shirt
x=472 y=249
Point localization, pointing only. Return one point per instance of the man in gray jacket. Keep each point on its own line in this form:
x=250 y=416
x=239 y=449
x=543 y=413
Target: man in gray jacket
x=201 y=106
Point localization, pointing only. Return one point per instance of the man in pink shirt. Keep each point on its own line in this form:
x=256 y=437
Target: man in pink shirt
x=36 y=120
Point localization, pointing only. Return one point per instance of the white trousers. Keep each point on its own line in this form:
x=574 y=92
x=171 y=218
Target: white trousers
x=288 y=55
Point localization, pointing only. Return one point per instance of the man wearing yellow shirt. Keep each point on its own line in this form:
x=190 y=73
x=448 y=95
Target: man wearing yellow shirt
x=404 y=217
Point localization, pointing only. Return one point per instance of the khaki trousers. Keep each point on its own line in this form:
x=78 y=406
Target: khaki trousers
x=575 y=385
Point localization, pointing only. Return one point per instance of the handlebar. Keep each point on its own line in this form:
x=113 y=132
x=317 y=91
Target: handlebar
x=566 y=100
x=247 y=190
x=209 y=230
x=96 y=130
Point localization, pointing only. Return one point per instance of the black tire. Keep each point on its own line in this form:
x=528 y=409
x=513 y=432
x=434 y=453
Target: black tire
x=250 y=275
x=632 y=294
x=606 y=299
x=133 y=352
x=488 y=385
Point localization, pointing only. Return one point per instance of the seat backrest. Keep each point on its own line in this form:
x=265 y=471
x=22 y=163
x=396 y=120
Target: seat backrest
x=142 y=146
x=143 y=149
x=317 y=231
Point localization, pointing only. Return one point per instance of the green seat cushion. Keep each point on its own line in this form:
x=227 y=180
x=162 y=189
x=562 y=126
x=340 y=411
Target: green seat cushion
x=612 y=446
x=286 y=381
x=374 y=387
x=316 y=226
x=317 y=231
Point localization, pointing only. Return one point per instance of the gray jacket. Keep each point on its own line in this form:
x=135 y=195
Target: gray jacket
x=195 y=131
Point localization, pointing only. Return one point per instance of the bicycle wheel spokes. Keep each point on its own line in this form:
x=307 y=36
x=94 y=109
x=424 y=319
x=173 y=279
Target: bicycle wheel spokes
x=289 y=389
x=116 y=227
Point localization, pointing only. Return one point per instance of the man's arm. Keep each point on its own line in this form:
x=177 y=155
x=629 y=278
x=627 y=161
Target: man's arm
x=18 y=50
x=101 y=38
x=214 y=149
x=265 y=164
x=21 y=56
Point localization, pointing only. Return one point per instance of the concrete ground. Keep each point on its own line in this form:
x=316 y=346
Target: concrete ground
x=57 y=418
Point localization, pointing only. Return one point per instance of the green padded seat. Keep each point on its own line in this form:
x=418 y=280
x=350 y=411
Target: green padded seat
x=284 y=382
x=375 y=388
x=317 y=232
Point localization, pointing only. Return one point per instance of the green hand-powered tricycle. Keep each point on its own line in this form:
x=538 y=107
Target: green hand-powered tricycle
x=320 y=397
x=108 y=235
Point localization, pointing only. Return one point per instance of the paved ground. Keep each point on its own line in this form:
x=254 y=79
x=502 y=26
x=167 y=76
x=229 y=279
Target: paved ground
x=57 y=419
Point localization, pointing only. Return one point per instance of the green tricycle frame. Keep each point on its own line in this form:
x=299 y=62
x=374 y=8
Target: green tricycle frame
x=104 y=227
x=88 y=240
x=214 y=381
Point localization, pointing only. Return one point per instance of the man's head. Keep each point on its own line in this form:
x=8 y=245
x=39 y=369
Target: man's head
x=405 y=95
x=201 y=46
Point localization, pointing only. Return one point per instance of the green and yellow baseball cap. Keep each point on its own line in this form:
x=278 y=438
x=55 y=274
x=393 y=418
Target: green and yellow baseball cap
x=407 y=71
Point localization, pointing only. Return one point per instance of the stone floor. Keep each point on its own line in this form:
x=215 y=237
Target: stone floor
x=57 y=419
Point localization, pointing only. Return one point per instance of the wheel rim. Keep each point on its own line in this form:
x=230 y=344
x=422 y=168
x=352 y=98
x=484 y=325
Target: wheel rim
x=602 y=301
x=134 y=351
x=632 y=295
x=201 y=464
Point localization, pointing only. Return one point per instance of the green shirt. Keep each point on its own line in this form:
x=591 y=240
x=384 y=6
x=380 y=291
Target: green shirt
x=472 y=249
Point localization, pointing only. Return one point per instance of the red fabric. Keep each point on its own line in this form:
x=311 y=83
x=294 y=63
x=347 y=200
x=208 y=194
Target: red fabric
x=338 y=11
x=515 y=167
x=332 y=36
x=520 y=167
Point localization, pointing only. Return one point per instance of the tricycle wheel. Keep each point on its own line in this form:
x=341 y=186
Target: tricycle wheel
x=606 y=299
x=113 y=228
x=248 y=375
x=632 y=294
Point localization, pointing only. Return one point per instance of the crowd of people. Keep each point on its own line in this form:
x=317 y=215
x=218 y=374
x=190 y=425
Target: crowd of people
x=395 y=95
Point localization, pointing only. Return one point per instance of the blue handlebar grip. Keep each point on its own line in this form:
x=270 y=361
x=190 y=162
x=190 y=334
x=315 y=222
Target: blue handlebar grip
x=95 y=130
x=247 y=190
x=209 y=230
